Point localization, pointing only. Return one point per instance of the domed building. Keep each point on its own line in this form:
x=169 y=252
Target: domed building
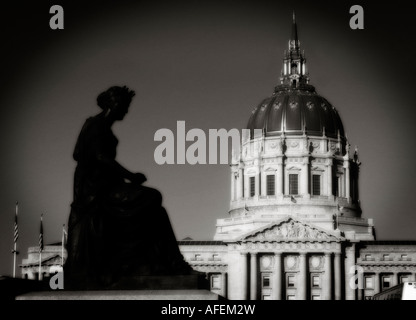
x=296 y=161
x=295 y=228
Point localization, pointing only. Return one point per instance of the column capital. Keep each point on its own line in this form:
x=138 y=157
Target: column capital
x=277 y=253
x=244 y=253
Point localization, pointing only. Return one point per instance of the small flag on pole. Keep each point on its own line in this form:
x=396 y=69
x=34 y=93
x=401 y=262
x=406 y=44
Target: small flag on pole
x=16 y=227
x=41 y=235
x=64 y=235
x=15 y=237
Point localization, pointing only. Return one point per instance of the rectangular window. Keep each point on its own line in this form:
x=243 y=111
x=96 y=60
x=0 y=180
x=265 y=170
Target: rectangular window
x=293 y=184
x=270 y=181
x=198 y=257
x=290 y=281
x=316 y=185
x=368 y=257
x=386 y=282
x=215 y=281
x=252 y=186
x=386 y=257
x=266 y=281
x=215 y=257
x=315 y=281
x=369 y=282
x=404 y=278
x=403 y=257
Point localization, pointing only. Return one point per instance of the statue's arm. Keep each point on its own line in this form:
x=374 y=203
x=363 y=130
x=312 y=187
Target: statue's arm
x=116 y=167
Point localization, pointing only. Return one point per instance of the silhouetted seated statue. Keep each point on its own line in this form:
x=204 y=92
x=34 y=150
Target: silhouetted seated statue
x=117 y=227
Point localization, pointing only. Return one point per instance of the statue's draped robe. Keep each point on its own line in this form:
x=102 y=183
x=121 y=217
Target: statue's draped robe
x=116 y=229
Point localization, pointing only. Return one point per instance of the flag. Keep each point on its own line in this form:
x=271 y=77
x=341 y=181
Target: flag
x=64 y=235
x=292 y=198
x=16 y=227
x=41 y=235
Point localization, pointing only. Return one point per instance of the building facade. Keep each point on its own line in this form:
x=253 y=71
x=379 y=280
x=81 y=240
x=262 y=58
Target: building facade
x=295 y=228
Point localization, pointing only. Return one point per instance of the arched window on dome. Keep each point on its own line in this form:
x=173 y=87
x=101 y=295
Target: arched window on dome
x=316 y=184
x=293 y=184
x=252 y=186
x=270 y=184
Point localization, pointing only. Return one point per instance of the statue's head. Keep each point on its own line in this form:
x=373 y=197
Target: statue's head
x=116 y=101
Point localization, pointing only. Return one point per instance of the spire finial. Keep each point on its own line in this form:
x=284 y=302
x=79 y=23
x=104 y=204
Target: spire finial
x=294 y=37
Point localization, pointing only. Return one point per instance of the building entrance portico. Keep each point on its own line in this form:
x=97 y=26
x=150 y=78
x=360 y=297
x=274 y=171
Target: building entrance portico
x=289 y=260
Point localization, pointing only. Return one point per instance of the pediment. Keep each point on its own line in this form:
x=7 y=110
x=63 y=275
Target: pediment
x=290 y=229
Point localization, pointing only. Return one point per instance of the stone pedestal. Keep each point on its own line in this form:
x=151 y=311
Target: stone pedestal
x=182 y=282
x=121 y=295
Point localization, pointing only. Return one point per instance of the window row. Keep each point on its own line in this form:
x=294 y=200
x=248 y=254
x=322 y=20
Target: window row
x=198 y=257
x=293 y=185
x=290 y=280
x=387 y=257
x=385 y=280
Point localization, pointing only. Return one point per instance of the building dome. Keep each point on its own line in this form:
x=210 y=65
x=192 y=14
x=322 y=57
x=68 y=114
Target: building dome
x=296 y=111
x=295 y=108
x=296 y=161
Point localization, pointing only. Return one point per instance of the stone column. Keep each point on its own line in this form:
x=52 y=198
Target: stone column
x=263 y=183
x=337 y=275
x=224 y=284
x=232 y=185
x=349 y=266
x=347 y=179
x=395 y=279
x=277 y=286
x=253 y=276
x=240 y=184
x=280 y=177
x=246 y=187
x=376 y=282
x=305 y=177
x=257 y=184
x=327 y=283
x=243 y=277
x=302 y=284
x=329 y=173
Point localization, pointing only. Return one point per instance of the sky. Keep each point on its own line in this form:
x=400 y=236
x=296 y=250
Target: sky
x=208 y=63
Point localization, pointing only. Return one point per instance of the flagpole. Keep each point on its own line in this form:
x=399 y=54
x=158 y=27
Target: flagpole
x=40 y=266
x=63 y=244
x=14 y=260
x=40 y=248
x=15 y=237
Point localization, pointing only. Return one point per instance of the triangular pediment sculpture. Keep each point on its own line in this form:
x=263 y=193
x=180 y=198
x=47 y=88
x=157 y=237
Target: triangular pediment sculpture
x=290 y=230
